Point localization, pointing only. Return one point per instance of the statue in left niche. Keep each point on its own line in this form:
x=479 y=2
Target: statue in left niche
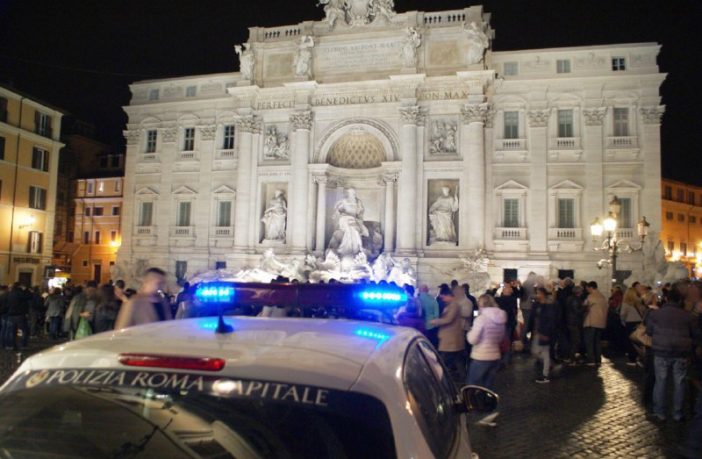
x=274 y=217
x=246 y=60
x=303 y=59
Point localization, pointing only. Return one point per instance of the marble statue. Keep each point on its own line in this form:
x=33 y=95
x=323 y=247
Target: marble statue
x=348 y=215
x=382 y=9
x=478 y=42
x=356 y=12
x=246 y=61
x=403 y=274
x=334 y=11
x=413 y=41
x=275 y=146
x=443 y=138
x=303 y=60
x=274 y=217
x=441 y=215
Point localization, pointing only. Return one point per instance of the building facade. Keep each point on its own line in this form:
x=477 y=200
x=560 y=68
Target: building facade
x=404 y=134
x=681 y=235
x=29 y=154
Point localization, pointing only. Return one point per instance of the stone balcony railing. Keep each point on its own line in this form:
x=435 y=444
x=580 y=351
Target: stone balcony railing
x=626 y=233
x=222 y=231
x=280 y=33
x=565 y=234
x=443 y=18
x=145 y=230
x=188 y=156
x=622 y=142
x=226 y=154
x=183 y=231
x=511 y=144
x=510 y=233
x=149 y=157
x=565 y=143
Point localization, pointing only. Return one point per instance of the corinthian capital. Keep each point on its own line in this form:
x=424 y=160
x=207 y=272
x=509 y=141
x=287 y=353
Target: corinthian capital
x=594 y=116
x=248 y=124
x=475 y=113
x=411 y=115
x=652 y=115
x=302 y=120
x=538 y=118
x=132 y=137
x=208 y=132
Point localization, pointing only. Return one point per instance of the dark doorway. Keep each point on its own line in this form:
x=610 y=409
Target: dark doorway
x=97 y=273
x=25 y=279
x=566 y=273
x=220 y=265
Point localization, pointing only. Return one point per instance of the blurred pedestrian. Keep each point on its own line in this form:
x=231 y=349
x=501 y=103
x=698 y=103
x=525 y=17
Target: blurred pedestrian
x=55 y=309
x=486 y=336
x=574 y=322
x=430 y=311
x=451 y=336
x=107 y=309
x=542 y=325
x=596 y=308
x=631 y=316
x=148 y=305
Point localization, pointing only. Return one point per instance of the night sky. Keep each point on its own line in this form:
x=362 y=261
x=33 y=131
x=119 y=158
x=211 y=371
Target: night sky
x=81 y=55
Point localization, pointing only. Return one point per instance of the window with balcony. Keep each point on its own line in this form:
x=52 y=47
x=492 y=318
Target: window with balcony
x=511 y=120
x=510 y=215
x=42 y=124
x=563 y=66
x=565 y=123
x=511 y=68
x=566 y=213
x=146 y=211
x=35 y=241
x=151 y=136
x=183 y=215
x=621 y=122
x=618 y=64
x=224 y=214
x=625 y=217
x=40 y=159
x=228 y=139
x=189 y=139
x=37 y=198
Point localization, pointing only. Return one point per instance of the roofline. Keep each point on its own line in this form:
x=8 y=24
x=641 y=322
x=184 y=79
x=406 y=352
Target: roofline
x=649 y=44
x=187 y=77
x=665 y=180
x=36 y=100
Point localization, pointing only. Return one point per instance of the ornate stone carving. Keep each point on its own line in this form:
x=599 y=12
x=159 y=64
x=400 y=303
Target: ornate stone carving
x=246 y=60
x=422 y=116
x=248 y=124
x=276 y=145
x=652 y=115
x=132 y=137
x=208 y=132
x=413 y=40
x=490 y=118
x=169 y=134
x=275 y=217
x=443 y=137
x=357 y=12
x=302 y=66
x=411 y=114
x=320 y=179
x=594 y=116
x=390 y=178
x=538 y=118
x=478 y=42
x=334 y=11
x=302 y=120
x=474 y=113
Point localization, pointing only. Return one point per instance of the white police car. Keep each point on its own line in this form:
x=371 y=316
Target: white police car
x=269 y=388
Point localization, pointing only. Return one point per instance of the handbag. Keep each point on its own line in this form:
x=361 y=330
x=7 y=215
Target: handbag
x=639 y=336
x=84 y=329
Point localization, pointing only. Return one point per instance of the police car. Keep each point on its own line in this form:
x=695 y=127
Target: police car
x=239 y=387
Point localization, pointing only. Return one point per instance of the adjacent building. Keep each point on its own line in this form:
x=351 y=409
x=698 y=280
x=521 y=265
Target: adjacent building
x=681 y=235
x=404 y=134
x=29 y=156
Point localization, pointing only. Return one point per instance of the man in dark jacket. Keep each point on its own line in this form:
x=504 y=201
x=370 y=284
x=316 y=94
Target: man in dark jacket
x=574 y=322
x=673 y=332
x=562 y=346
x=16 y=306
x=4 y=321
x=542 y=325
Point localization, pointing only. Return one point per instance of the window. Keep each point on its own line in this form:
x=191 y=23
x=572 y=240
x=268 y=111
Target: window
x=42 y=124
x=88 y=211
x=228 y=140
x=89 y=188
x=2 y=148
x=146 y=213
x=188 y=139
x=85 y=263
x=98 y=211
x=115 y=210
x=153 y=94
x=151 y=136
x=618 y=64
x=34 y=242
x=97 y=237
x=625 y=217
x=511 y=68
x=511 y=125
x=680 y=193
x=37 y=198
x=621 y=122
x=114 y=161
x=681 y=218
x=113 y=236
x=183 y=218
x=563 y=66
x=667 y=193
x=566 y=213
x=101 y=186
x=224 y=213
x=691 y=198
x=511 y=213
x=683 y=248
x=669 y=215
x=181 y=269
x=118 y=185
x=693 y=219
x=86 y=237
x=40 y=159
x=565 y=123
x=671 y=246
x=190 y=91
x=70 y=236
x=220 y=265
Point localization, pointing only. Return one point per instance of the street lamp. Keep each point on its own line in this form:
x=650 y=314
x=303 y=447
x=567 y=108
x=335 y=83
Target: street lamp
x=612 y=245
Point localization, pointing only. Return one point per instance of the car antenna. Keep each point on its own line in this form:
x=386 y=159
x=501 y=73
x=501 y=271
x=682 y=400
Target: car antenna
x=223 y=328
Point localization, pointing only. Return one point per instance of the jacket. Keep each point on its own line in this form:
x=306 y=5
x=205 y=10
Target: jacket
x=487 y=334
x=54 y=305
x=430 y=309
x=673 y=331
x=597 y=308
x=542 y=320
x=141 y=309
x=574 y=311
x=466 y=308
x=630 y=313
x=17 y=303
x=451 y=334
x=509 y=305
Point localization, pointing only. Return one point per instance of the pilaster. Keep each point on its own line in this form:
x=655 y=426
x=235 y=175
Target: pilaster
x=407 y=209
x=473 y=117
x=537 y=221
x=301 y=125
x=651 y=156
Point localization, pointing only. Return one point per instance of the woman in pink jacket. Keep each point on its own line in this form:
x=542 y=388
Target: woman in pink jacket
x=485 y=336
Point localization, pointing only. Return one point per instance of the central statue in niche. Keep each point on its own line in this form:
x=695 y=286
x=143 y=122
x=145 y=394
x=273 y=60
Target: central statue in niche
x=352 y=236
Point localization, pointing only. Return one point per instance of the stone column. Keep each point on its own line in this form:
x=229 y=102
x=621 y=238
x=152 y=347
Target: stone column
x=593 y=146
x=537 y=220
x=407 y=188
x=473 y=147
x=301 y=123
x=389 y=230
x=651 y=156
x=321 y=213
x=245 y=127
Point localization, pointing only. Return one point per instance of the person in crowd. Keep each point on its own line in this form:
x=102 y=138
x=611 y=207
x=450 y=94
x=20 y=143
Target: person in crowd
x=596 y=307
x=442 y=304
x=82 y=305
x=507 y=301
x=466 y=308
x=563 y=294
x=574 y=310
x=650 y=301
x=631 y=316
x=4 y=321
x=451 y=335
x=36 y=312
x=16 y=307
x=485 y=337
x=107 y=309
x=542 y=325
x=430 y=311
x=673 y=331
x=410 y=314
x=692 y=447
x=525 y=305
x=120 y=291
x=55 y=309
x=148 y=305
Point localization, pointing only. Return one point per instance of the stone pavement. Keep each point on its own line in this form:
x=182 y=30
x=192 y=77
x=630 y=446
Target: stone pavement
x=585 y=413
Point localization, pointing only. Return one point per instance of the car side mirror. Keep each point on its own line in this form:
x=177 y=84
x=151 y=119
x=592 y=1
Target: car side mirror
x=479 y=399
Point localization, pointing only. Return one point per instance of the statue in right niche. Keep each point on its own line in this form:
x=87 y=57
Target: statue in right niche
x=441 y=217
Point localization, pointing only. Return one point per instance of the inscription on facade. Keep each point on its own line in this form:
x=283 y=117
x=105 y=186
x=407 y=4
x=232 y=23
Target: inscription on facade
x=358 y=57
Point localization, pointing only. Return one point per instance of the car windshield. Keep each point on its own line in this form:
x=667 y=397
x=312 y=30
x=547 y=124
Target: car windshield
x=248 y=419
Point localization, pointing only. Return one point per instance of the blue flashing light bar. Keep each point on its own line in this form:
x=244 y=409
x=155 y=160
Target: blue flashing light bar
x=377 y=296
x=372 y=334
x=214 y=293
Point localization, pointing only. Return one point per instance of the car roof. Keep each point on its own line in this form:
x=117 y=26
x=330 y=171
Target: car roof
x=319 y=352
